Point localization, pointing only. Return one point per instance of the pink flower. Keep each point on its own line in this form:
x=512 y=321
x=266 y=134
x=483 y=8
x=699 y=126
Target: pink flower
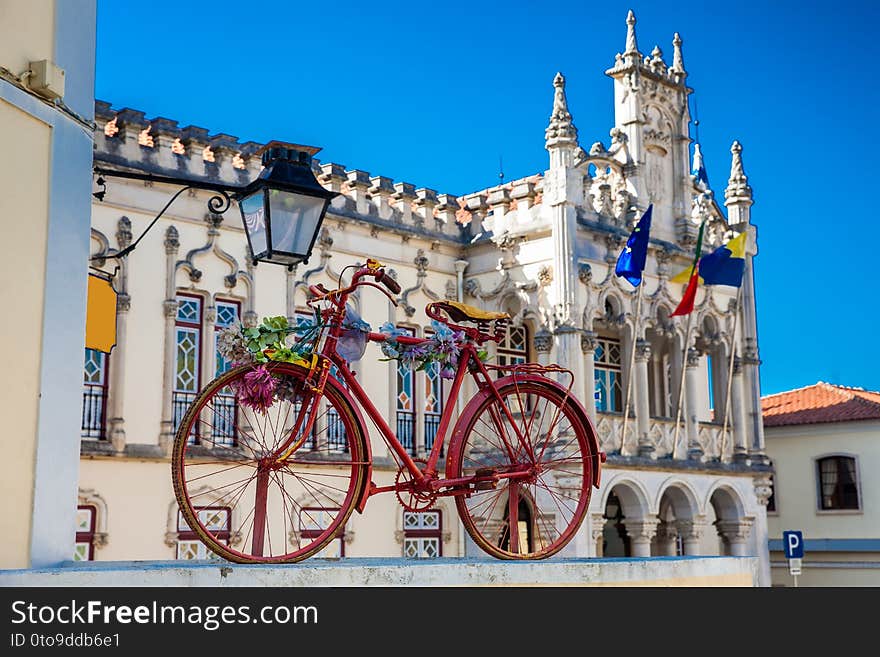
x=257 y=390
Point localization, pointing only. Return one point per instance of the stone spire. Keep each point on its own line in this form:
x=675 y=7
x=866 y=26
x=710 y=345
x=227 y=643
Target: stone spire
x=561 y=131
x=738 y=189
x=632 y=47
x=677 y=59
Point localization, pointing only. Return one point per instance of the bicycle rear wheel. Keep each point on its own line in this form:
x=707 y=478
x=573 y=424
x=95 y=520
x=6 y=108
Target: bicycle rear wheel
x=236 y=490
x=535 y=512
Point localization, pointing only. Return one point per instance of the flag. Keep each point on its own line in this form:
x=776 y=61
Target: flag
x=631 y=260
x=699 y=171
x=726 y=264
x=690 y=293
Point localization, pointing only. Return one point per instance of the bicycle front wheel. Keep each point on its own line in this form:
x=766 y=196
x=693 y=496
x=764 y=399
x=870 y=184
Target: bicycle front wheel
x=542 y=482
x=241 y=489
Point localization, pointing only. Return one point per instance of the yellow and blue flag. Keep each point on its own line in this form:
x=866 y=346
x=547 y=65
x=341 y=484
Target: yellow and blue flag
x=631 y=261
x=724 y=266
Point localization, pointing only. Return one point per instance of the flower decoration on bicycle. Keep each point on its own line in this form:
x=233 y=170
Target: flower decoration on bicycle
x=279 y=441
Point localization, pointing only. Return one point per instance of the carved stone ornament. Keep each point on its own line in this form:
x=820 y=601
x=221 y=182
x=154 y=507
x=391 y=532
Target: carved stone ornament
x=543 y=341
x=585 y=273
x=545 y=275
x=643 y=350
x=693 y=357
x=589 y=342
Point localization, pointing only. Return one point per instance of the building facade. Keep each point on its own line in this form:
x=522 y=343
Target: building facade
x=541 y=248
x=824 y=441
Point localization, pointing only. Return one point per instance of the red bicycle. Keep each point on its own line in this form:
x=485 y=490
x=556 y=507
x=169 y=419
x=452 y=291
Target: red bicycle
x=278 y=484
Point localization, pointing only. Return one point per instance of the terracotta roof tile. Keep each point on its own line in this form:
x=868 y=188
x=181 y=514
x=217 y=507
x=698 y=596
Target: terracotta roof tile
x=822 y=402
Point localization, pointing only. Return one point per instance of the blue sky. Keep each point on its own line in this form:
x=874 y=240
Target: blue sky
x=434 y=95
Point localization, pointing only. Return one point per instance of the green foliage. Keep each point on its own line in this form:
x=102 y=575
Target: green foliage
x=270 y=336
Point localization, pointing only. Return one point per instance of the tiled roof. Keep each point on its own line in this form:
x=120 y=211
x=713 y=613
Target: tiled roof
x=822 y=402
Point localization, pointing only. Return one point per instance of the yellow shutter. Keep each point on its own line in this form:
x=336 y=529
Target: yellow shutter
x=101 y=315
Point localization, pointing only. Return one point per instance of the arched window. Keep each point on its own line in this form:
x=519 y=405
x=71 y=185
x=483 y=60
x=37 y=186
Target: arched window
x=433 y=401
x=187 y=357
x=94 y=407
x=406 y=401
x=608 y=376
x=838 y=483
x=225 y=410
x=514 y=348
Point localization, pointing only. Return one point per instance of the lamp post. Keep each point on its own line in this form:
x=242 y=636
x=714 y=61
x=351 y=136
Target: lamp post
x=282 y=210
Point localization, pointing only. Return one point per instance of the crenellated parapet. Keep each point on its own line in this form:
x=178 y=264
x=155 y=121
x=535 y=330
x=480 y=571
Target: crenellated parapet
x=127 y=139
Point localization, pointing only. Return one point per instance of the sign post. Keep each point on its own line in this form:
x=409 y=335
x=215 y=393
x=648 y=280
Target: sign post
x=793 y=544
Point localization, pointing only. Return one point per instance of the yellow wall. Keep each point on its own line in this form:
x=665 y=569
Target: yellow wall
x=24 y=207
x=28 y=33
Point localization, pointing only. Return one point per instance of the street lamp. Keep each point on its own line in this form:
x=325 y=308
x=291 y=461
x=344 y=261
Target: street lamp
x=283 y=208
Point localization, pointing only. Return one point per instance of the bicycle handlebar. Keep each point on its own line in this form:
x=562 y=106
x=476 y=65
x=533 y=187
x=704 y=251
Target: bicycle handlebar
x=374 y=269
x=388 y=282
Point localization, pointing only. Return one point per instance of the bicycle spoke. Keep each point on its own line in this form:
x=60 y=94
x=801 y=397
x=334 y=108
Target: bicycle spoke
x=281 y=512
x=552 y=441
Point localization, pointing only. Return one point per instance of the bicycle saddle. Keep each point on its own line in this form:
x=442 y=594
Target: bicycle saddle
x=461 y=312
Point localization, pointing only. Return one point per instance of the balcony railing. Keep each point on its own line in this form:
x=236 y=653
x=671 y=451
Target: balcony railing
x=94 y=411
x=336 y=438
x=406 y=430
x=180 y=402
x=223 y=422
x=432 y=425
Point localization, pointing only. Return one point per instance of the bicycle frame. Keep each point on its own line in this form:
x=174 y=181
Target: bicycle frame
x=427 y=479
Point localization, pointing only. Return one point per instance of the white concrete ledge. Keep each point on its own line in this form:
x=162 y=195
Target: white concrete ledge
x=657 y=571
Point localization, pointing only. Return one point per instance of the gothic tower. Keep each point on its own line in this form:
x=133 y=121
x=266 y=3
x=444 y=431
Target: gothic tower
x=651 y=107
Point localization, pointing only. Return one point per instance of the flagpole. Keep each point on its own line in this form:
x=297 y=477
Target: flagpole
x=632 y=360
x=687 y=339
x=730 y=373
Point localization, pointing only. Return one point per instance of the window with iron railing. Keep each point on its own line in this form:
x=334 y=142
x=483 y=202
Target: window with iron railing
x=434 y=400
x=187 y=358
x=406 y=401
x=94 y=405
x=225 y=410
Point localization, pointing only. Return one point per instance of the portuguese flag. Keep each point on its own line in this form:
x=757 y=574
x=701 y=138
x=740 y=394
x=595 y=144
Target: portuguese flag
x=686 y=305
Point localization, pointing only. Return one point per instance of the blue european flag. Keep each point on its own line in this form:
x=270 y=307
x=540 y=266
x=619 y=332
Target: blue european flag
x=632 y=259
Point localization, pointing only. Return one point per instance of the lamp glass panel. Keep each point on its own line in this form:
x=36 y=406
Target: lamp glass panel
x=253 y=213
x=295 y=220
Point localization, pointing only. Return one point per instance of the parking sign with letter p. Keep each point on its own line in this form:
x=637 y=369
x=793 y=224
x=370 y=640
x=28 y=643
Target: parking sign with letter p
x=793 y=544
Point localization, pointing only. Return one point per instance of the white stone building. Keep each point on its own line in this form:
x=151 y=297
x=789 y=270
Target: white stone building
x=542 y=248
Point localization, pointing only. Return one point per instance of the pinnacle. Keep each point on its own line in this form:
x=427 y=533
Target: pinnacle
x=631 y=45
x=677 y=58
